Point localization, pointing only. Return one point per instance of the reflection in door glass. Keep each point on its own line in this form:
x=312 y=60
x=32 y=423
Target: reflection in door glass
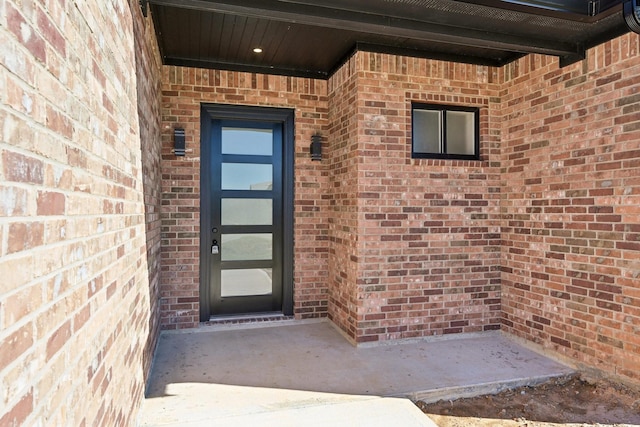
x=252 y=142
x=247 y=176
x=247 y=211
x=237 y=283
x=247 y=247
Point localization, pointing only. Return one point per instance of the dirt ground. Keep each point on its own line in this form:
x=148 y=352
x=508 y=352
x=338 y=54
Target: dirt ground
x=568 y=401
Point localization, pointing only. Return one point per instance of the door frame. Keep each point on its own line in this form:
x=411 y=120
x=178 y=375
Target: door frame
x=285 y=116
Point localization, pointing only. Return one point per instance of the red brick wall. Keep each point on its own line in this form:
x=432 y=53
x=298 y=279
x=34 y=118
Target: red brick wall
x=571 y=206
x=387 y=246
x=417 y=242
x=184 y=89
x=149 y=87
x=405 y=248
x=74 y=294
x=342 y=148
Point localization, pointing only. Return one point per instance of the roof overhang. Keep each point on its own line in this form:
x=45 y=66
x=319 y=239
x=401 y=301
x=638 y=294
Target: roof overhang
x=312 y=39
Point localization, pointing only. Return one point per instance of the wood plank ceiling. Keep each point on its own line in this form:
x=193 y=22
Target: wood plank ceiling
x=312 y=39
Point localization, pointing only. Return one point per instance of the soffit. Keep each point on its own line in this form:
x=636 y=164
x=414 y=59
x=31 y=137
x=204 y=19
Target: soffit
x=312 y=39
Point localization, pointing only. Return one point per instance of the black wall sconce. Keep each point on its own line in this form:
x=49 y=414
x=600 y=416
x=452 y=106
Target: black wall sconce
x=316 y=147
x=145 y=7
x=631 y=13
x=179 y=146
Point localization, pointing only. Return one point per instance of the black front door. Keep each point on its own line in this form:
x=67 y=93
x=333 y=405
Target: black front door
x=247 y=205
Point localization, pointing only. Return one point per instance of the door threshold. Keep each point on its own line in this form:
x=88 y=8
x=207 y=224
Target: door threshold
x=246 y=318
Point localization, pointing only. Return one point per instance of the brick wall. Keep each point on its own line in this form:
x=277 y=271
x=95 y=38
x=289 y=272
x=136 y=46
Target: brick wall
x=386 y=246
x=408 y=248
x=74 y=295
x=571 y=206
x=342 y=148
x=149 y=87
x=184 y=89
x=418 y=241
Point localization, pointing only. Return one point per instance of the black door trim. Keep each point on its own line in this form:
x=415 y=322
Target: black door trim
x=210 y=112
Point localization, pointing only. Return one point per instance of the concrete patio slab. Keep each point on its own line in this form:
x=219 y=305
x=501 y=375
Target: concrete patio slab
x=198 y=404
x=288 y=371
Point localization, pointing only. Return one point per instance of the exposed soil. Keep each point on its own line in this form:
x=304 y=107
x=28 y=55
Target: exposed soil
x=568 y=401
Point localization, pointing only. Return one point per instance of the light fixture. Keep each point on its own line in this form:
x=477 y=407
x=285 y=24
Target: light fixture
x=316 y=147
x=631 y=13
x=257 y=50
x=179 y=146
x=145 y=7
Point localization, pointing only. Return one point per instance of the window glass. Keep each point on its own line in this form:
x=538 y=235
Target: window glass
x=247 y=176
x=460 y=132
x=427 y=131
x=247 y=247
x=257 y=142
x=242 y=283
x=444 y=132
x=247 y=211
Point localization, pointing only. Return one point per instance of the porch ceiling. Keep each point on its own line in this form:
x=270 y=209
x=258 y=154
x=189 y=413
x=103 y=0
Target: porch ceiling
x=312 y=39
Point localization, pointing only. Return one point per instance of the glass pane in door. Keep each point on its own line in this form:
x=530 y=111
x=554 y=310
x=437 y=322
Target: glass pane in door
x=255 y=281
x=247 y=247
x=247 y=141
x=247 y=176
x=247 y=211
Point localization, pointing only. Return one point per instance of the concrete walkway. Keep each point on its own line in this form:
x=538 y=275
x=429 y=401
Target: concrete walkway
x=292 y=373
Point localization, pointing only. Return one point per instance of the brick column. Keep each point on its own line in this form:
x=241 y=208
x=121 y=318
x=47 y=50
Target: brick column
x=343 y=194
x=415 y=242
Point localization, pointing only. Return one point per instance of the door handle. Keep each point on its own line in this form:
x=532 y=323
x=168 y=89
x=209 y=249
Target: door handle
x=215 y=249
